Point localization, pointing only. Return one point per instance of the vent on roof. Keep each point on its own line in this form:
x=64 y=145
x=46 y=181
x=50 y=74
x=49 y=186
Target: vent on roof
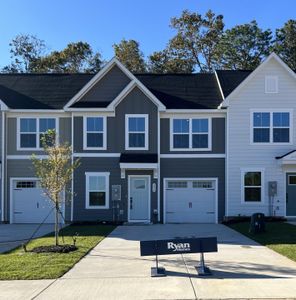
x=271 y=84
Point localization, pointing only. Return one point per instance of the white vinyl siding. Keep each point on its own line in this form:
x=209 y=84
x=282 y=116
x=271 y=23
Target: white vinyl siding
x=243 y=153
x=271 y=84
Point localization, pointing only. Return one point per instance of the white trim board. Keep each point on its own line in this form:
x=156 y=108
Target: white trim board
x=215 y=179
x=193 y=155
x=94 y=154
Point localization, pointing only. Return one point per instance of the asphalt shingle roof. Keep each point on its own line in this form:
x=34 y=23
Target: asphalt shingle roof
x=175 y=91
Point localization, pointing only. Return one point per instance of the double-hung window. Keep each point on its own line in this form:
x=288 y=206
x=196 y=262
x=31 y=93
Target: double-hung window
x=95 y=133
x=136 y=132
x=190 y=134
x=252 y=186
x=97 y=190
x=271 y=127
x=31 y=131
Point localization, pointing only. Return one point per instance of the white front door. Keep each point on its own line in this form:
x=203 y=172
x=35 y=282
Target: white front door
x=139 y=198
x=29 y=204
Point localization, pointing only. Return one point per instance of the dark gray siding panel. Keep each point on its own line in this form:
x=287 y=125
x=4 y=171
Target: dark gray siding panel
x=24 y=168
x=218 y=137
x=135 y=103
x=65 y=130
x=196 y=168
x=108 y=87
x=105 y=165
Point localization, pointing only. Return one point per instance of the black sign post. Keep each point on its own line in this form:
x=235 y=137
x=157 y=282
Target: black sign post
x=179 y=246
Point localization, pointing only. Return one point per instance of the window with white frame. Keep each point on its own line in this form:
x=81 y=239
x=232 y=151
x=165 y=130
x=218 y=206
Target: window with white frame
x=136 y=135
x=252 y=186
x=94 y=133
x=190 y=134
x=271 y=127
x=31 y=131
x=271 y=84
x=97 y=190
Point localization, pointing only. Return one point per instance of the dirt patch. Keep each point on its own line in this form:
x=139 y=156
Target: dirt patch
x=54 y=249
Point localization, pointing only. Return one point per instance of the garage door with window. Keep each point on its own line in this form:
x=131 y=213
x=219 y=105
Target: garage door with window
x=29 y=204
x=190 y=201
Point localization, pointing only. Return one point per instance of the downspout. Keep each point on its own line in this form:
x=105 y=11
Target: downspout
x=72 y=160
x=158 y=161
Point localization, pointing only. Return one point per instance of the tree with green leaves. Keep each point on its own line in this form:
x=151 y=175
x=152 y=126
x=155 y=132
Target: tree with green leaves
x=129 y=54
x=166 y=61
x=285 y=43
x=244 y=47
x=25 y=50
x=55 y=172
x=75 y=58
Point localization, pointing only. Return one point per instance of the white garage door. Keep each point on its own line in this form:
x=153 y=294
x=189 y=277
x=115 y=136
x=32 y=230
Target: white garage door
x=29 y=205
x=190 y=201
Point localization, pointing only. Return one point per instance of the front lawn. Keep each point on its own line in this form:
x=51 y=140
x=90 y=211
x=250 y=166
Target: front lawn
x=18 y=264
x=279 y=236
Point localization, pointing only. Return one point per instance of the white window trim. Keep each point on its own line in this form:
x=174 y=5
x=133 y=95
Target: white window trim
x=243 y=172
x=37 y=148
x=146 y=147
x=102 y=174
x=267 y=77
x=104 y=147
x=271 y=127
x=209 y=148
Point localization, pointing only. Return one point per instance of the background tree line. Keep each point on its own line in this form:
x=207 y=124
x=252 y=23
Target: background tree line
x=200 y=44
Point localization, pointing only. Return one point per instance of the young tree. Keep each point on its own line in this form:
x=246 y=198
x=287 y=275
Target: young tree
x=129 y=53
x=285 y=43
x=54 y=172
x=244 y=46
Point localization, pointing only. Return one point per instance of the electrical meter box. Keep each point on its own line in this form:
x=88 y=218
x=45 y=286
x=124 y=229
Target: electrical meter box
x=272 y=188
x=116 y=192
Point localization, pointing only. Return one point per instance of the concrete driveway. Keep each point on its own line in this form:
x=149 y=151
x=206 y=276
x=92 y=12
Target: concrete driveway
x=114 y=270
x=13 y=235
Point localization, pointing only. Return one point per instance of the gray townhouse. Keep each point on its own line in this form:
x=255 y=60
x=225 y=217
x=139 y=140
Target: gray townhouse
x=152 y=148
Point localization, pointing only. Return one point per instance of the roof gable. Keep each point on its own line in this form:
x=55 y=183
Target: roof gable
x=133 y=81
x=252 y=74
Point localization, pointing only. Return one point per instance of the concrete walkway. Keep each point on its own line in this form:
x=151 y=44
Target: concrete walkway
x=114 y=270
x=20 y=232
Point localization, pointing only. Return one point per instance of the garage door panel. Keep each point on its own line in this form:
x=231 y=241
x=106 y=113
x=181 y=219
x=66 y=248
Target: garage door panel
x=29 y=204
x=194 y=204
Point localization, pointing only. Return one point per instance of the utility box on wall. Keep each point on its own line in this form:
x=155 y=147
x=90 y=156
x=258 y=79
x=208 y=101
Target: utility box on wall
x=272 y=188
x=116 y=192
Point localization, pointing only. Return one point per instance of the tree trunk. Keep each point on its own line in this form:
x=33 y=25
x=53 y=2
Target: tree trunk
x=57 y=223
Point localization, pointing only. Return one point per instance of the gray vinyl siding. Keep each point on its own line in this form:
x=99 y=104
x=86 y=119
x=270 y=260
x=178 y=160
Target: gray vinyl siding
x=108 y=87
x=195 y=168
x=218 y=137
x=24 y=168
x=111 y=165
x=134 y=103
x=64 y=135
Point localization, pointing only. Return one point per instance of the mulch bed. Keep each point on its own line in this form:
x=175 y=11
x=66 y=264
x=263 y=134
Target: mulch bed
x=54 y=249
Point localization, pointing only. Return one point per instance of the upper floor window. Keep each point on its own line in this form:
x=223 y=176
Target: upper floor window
x=31 y=131
x=95 y=133
x=190 y=134
x=271 y=127
x=136 y=132
x=271 y=84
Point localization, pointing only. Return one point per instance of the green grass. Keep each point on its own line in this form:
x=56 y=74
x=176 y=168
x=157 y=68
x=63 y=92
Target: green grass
x=279 y=236
x=18 y=264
